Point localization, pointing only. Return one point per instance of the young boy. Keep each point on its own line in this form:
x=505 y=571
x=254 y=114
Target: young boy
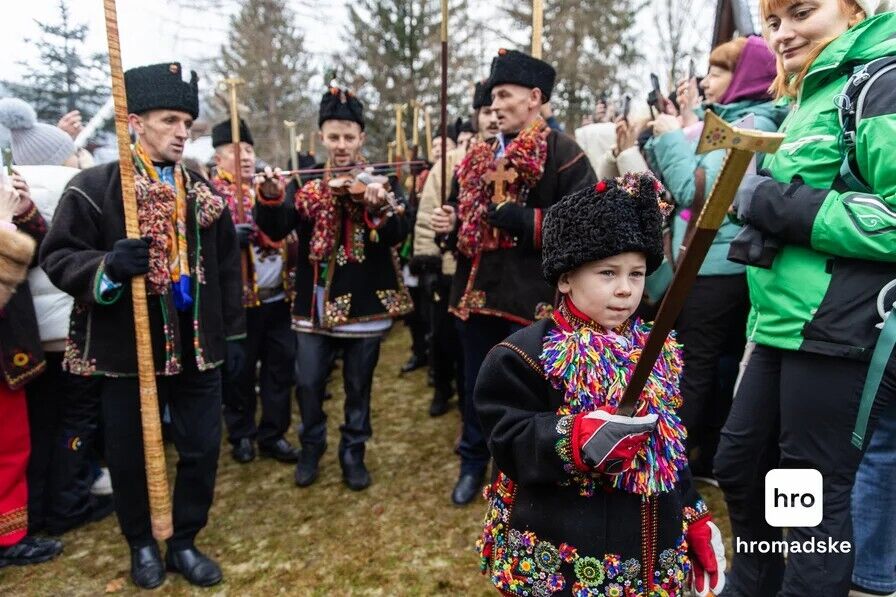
x=587 y=502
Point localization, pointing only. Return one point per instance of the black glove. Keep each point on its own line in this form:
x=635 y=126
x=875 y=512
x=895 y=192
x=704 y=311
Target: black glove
x=244 y=234
x=752 y=247
x=509 y=216
x=236 y=359
x=128 y=258
x=423 y=264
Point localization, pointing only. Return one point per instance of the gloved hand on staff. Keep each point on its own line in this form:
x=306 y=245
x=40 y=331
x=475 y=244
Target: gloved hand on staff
x=608 y=443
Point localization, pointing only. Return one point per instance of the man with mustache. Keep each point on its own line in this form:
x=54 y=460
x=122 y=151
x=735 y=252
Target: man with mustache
x=493 y=219
x=189 y=254
x=349 y=287
x=269 y=337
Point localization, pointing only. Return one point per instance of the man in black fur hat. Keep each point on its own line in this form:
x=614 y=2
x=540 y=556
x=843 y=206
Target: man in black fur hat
x=189 y=254
x=269 y=337
x=493 y=220
x=349 y=287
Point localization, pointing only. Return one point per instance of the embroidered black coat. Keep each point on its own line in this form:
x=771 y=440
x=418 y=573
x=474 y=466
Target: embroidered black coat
x=508 y=283
x=88 y=221
x=541 y=532
x=355 y=290
x=21 y=354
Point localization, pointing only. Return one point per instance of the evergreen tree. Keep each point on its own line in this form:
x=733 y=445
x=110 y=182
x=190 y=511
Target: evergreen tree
x=591 y=43
x=394 y=57
x=266 y=50
x=64 y=78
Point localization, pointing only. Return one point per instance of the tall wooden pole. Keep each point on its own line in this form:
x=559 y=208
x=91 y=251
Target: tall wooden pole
x=444 y=101
x=232 y=82
x=153 y=449
x=291 y=134
x=537 y=27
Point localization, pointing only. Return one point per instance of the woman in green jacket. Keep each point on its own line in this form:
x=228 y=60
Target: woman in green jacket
x=713 y=321
x=821 y=258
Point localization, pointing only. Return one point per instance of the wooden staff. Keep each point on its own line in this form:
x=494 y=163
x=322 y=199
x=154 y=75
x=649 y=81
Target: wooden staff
x=415 y=131
x=443 y=100
x=291 y=136
x=537 y=27
x=427 y=119
x=153 y=449
x=231 y=83
x=717 y=134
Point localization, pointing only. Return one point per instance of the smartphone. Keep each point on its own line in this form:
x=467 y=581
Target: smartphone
x=655 y=85
x=626 y=106
x=6 y=170
x=692 y=69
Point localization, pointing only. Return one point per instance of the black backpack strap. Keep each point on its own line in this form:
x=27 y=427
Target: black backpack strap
x=849 y=105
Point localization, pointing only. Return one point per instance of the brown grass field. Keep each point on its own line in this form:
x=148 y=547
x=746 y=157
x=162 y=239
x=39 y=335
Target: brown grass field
x=402 y=536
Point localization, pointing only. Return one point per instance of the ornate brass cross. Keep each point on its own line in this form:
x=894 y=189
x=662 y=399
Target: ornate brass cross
x=501 y=176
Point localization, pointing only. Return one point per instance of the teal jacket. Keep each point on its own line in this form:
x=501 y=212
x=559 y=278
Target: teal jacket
x=674 y=156
x=837 y=265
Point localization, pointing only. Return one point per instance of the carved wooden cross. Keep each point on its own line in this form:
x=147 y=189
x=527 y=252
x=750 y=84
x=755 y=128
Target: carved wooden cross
x=501 y=176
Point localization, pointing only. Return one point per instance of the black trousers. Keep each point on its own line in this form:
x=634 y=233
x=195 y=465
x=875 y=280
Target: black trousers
x=477 y=336
x=418 y=323
x=269 y=339
x=793 y=410
x=63 y=414
x=314 y=360
x=447 y=356
x=712 y=328
x=193 y=399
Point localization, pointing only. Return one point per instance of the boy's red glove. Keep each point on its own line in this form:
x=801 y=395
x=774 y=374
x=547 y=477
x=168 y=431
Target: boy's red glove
x=608 y=443
x=707 y=553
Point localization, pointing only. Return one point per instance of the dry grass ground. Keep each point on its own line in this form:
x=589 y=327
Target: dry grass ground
x=400 y=537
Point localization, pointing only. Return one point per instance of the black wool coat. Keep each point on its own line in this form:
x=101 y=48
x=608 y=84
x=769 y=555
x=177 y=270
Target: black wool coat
x=539 y=526
x=88 y=221
x=354 y=291
x=508 y=283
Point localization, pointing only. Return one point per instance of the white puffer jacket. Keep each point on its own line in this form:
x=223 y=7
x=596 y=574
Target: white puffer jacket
x=53 y=307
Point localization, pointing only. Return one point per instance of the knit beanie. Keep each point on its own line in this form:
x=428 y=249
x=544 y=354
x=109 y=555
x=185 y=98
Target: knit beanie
x=33 y=143
x=876 y=7
x=608 y=218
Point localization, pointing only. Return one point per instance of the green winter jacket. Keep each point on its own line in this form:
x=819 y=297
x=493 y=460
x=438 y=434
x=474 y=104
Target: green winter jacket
x=838 y=258
x=675 y=157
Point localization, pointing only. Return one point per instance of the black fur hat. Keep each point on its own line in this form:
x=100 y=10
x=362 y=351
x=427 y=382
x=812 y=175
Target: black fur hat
x=481 y=95
x=160 y=87
x=611 y=217
x=511 y=66
x=338 y=104
x=221 y=133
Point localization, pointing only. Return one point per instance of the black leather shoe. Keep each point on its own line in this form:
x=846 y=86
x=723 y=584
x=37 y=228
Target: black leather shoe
x=30 y=550
x=282 y=450
x=147 y=570
x=413 y=363
x=466 y=489
x=356 y=476
x=196 y=567
x=244 y=451
x=439 y=404
x=307 y=468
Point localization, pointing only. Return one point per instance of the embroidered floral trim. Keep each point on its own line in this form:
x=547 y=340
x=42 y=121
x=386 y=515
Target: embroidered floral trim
x=543 y=311
x=526 y=155
x=694 y=513
x=396 y=302
x=336 y=311
x=13 y=521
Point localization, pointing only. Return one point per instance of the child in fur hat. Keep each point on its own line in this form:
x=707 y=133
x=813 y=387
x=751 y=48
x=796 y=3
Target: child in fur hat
x=587 y=502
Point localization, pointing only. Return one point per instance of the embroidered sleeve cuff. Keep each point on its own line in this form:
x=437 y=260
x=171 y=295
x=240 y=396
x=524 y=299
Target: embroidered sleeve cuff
x=567 y=447
x=536 y=230
x=695 y=512
x=105 y=291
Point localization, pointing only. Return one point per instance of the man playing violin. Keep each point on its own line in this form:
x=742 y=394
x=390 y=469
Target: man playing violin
x=348 y=282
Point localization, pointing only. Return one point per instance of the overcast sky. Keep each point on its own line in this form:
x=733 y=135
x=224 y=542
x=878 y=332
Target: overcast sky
x=162 y=30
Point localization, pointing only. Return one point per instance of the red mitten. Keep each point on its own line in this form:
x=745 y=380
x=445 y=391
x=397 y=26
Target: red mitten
x=707 y=553
x=608 y=443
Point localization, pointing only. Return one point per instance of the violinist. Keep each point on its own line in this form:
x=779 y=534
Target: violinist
x=349 y=287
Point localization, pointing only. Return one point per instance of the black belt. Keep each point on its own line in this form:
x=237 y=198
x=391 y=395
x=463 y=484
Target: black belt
x=269 y=293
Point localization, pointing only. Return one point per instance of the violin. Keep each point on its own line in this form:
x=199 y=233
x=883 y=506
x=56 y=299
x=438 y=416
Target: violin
x=353 y=186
